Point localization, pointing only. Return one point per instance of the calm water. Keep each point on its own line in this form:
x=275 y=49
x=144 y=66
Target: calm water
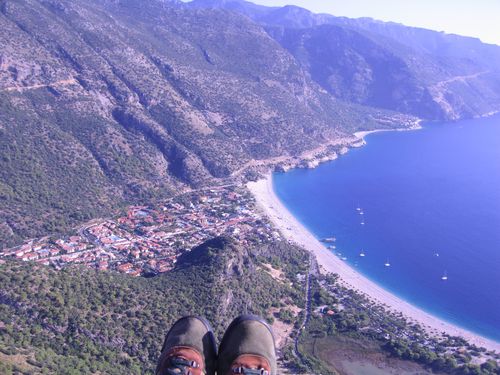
x=431 y=203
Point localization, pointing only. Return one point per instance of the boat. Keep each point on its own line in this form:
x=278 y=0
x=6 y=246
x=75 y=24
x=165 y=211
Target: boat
x=362 y=223
x=332 y=247
x=329 y=239
x=362 y=253
x=387 y=264
x=361 y=213
x=344 y=258
x=445 y=276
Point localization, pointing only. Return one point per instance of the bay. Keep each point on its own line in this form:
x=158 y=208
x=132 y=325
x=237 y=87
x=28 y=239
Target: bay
x=430 y=203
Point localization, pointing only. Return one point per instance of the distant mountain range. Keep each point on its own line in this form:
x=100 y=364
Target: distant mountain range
x=107 y=102
x=382 y=64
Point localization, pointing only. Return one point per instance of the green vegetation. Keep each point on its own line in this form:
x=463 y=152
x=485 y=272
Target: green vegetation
x=95 y=114
x=103 y=103
x=45 y=181
x=78 y=321
x=386 y=338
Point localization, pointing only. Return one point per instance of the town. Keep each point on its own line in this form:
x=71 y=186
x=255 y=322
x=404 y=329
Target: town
x=147 y=240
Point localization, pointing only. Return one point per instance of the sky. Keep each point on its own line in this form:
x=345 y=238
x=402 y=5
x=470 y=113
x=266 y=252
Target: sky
x=477 y=18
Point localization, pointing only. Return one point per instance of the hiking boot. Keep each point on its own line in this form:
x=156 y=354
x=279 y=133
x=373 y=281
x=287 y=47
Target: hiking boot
x=247 y=348
x=189 y=349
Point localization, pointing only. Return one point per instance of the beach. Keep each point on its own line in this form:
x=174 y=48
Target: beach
x=362 y=134
x=294 y=231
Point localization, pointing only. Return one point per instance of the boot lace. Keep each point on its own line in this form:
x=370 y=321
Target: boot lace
x=180 y=366
x=249 y=371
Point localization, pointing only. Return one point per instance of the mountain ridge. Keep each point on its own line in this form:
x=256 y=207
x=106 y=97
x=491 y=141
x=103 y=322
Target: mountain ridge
x=127 y=102
x=427 y=57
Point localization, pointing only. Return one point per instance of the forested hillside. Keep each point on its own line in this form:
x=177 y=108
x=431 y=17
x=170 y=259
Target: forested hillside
x=111 y=102
x=79 y=321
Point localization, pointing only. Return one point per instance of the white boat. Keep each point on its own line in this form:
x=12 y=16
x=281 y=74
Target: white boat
x=387 y=264
x=361 y=213
x=329 y=239
x=362 y=223
x=362 y=253
x=445 y=276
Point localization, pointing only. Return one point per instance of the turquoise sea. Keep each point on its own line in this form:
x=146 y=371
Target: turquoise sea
x=431 y=207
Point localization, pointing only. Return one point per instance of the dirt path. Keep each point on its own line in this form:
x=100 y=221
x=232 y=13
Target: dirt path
x=442 y=84
x=438 y=90
x=64 y=82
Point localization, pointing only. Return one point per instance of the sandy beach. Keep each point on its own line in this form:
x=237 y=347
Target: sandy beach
x=362 y=134
x=294 y=231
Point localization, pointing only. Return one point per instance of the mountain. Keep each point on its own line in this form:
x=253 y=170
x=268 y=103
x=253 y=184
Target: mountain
x=82 y=321
x=245 y=7
x=429 y=74
x=104 y=103
x=78 y=321
x=107 y=103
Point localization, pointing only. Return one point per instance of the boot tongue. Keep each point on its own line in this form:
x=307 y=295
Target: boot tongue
x=249 y=371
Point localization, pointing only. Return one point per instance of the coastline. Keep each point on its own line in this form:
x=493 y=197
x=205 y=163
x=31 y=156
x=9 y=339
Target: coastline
x=362 y=134
x=294 y=231
x=328 y=151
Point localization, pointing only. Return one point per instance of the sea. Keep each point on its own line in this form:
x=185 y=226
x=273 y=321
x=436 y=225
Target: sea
x=427 y=203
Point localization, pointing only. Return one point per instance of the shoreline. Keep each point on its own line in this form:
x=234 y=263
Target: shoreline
x=362 y=134
x=294 y=231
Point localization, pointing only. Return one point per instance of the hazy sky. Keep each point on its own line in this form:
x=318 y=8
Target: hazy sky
x=478 y=18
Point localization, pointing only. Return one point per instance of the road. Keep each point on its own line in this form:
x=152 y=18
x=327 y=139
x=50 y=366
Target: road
x=440 y=85
x=438 y=90
x=313 y=271
x=64 y=82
